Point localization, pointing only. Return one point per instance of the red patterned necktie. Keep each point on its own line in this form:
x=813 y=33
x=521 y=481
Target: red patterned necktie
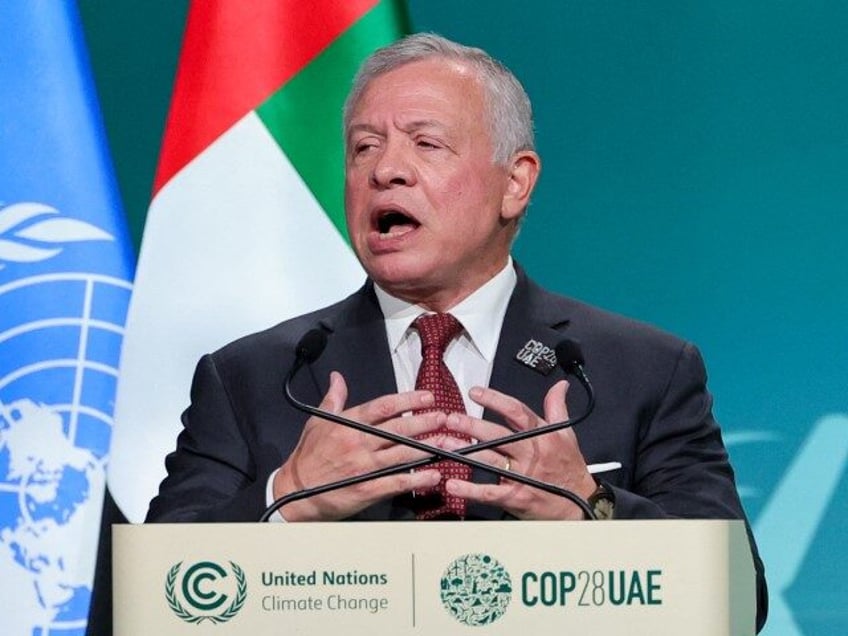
x=437 y=331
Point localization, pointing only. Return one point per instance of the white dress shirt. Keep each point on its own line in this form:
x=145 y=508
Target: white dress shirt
x=471 y=355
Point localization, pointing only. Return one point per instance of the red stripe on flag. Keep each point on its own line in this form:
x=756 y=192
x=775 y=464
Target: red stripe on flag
x=235 y=55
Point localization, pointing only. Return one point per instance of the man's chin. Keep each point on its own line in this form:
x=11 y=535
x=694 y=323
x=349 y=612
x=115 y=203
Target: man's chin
x=410 y=283
x=400 y=286
x=397 y=269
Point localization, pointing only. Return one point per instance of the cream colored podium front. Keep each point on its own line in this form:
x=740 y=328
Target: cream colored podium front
x=394 y=578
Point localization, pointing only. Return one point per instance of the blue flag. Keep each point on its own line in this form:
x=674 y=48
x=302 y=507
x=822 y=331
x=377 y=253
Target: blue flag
x=65 y=271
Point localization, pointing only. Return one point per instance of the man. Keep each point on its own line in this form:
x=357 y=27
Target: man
x=440 y=166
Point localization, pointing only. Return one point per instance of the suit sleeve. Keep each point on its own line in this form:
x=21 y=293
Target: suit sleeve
x=212 y=474
x=682 y=469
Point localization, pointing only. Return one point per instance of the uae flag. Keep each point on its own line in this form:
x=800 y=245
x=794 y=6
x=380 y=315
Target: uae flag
x=246 y=225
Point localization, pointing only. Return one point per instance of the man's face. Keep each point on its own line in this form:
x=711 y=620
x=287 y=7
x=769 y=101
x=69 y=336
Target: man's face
x=424 y=200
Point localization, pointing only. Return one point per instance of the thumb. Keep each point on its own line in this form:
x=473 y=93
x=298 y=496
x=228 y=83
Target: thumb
x=336 y=396
x=554 y=404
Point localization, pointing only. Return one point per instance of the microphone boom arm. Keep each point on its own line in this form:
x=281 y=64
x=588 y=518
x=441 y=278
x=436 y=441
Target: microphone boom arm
x=437 y=454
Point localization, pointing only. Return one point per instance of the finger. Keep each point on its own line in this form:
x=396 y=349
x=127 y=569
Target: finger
x=399 y=454
x=476 y=428
x=347 y=501
x=555 y=407
x=415 y=425
x=426 y=428
x=392 y=485
x=493 y=494
x=336 y=396
x=500 y=458
x=517 y=500
x=517 y=414
x=386 y=407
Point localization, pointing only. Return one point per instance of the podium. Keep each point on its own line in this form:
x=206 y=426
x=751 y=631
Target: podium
x=489 y=578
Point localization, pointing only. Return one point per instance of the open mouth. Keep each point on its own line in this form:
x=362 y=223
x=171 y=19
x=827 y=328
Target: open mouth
x=395 y=222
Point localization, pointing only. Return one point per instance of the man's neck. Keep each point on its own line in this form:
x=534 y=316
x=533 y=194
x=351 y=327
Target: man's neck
x=436 y=303
x=442 y=300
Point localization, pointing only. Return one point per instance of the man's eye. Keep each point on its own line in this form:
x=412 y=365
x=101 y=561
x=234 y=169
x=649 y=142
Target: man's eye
x=423 y=143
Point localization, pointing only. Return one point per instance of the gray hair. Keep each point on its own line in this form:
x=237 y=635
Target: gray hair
x=509 y=112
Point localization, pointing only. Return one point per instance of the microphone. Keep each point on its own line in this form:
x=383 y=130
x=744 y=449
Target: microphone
x=312 y=345
x=570 y=358
x=569 y=355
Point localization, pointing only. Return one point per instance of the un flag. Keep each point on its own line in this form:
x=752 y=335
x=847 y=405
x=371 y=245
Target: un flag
x=65 y=267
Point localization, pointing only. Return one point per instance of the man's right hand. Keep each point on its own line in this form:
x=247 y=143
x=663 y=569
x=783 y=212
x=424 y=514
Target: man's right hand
x=328 y=452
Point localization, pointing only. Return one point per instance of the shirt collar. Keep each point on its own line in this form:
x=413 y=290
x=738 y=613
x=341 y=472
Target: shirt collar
x=481 y=313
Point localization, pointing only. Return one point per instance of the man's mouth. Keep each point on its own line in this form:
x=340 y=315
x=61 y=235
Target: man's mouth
x=393 y=223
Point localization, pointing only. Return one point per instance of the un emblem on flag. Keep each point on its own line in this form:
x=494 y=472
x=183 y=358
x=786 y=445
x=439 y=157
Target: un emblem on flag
x=60 y=334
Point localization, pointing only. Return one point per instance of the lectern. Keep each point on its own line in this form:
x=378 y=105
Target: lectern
x=393 y=578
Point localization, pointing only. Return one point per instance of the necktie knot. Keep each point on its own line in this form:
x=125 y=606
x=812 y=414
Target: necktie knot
x=436 y=331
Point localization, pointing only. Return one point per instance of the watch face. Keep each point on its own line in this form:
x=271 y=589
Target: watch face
x=602 y=502
x=603 y=507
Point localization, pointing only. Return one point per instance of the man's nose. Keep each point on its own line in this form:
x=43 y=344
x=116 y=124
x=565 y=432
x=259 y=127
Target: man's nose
x=392 y=168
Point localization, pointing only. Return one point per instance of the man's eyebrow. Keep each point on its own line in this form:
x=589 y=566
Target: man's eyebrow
x=418 y=124
x=361 y=128
x=411 y=126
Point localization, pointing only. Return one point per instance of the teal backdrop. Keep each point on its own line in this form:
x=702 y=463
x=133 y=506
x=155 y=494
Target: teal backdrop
x=695 y=176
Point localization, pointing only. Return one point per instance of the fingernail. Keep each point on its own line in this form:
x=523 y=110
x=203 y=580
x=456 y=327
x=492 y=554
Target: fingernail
x=428 y=398
x=475 y=392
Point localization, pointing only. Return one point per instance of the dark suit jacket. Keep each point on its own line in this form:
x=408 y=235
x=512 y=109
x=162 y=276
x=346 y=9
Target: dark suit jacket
x=653 y=412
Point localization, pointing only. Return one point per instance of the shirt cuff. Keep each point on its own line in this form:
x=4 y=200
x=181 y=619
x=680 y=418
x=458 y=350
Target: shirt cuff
x=269 y=499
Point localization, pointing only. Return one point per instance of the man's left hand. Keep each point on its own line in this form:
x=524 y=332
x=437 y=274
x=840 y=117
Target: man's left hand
x=554 y=457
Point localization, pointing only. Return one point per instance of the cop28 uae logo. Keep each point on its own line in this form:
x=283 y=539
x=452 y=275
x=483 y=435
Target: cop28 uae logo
x=476 y=589
x=205 y=587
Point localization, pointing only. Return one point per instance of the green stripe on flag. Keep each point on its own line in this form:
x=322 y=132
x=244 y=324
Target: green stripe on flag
x=305 y=115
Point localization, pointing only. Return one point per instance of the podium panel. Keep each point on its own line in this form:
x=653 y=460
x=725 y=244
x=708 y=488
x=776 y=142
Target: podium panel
x=489 y=578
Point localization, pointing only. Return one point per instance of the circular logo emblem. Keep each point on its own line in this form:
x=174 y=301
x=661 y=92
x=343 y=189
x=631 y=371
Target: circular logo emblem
x=476 y=589
x=206 y=588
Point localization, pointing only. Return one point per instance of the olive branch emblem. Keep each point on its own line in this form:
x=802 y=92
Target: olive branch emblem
x=31 y=232
x=188 y=617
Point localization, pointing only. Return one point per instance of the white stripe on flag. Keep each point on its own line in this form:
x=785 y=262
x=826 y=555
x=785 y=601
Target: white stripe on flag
x=233 y=244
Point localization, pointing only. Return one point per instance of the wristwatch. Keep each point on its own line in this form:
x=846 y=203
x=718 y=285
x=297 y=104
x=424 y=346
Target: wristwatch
x=602 y=501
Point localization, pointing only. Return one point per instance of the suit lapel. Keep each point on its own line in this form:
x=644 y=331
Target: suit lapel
x=529 y=316
x=357 y=348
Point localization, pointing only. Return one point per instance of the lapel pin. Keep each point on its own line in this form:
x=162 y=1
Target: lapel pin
x=538 y=356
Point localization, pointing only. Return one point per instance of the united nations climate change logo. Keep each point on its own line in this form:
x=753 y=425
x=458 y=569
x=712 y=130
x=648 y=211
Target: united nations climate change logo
x=205 y=587
x=476 y=589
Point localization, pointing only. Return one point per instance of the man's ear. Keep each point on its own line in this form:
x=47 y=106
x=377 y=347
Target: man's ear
x=523 y=172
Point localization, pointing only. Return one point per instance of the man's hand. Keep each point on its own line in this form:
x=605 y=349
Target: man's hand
x=327 y=452
x=554 y=457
